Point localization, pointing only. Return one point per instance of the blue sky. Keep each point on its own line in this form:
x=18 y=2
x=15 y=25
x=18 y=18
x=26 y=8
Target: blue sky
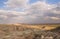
x=2 y=5
x=2 y=2
x=53 y=1
x=48 y=1
x=30 y=11
x=32 y=1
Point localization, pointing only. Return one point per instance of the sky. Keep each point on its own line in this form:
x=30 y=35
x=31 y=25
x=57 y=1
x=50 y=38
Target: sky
x=29 y=11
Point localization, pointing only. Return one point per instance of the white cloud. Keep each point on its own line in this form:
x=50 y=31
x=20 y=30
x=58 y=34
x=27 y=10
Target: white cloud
x=11 y=16
x=3 y=17
x=37 y=12
x=17 y=4
x=38 y=9
x=55 y=18
x=41 y=12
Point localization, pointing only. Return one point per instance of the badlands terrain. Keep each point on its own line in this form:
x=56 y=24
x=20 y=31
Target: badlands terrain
x=29 y=31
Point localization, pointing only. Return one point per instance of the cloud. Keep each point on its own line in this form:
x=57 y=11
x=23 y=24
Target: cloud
x=11 y=16
x=41 y=12
x=35 y=13
x=55 y=18
x=2 y=17
x=17 y=4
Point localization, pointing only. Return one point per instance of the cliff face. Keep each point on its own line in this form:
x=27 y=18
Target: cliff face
x=28 y=32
